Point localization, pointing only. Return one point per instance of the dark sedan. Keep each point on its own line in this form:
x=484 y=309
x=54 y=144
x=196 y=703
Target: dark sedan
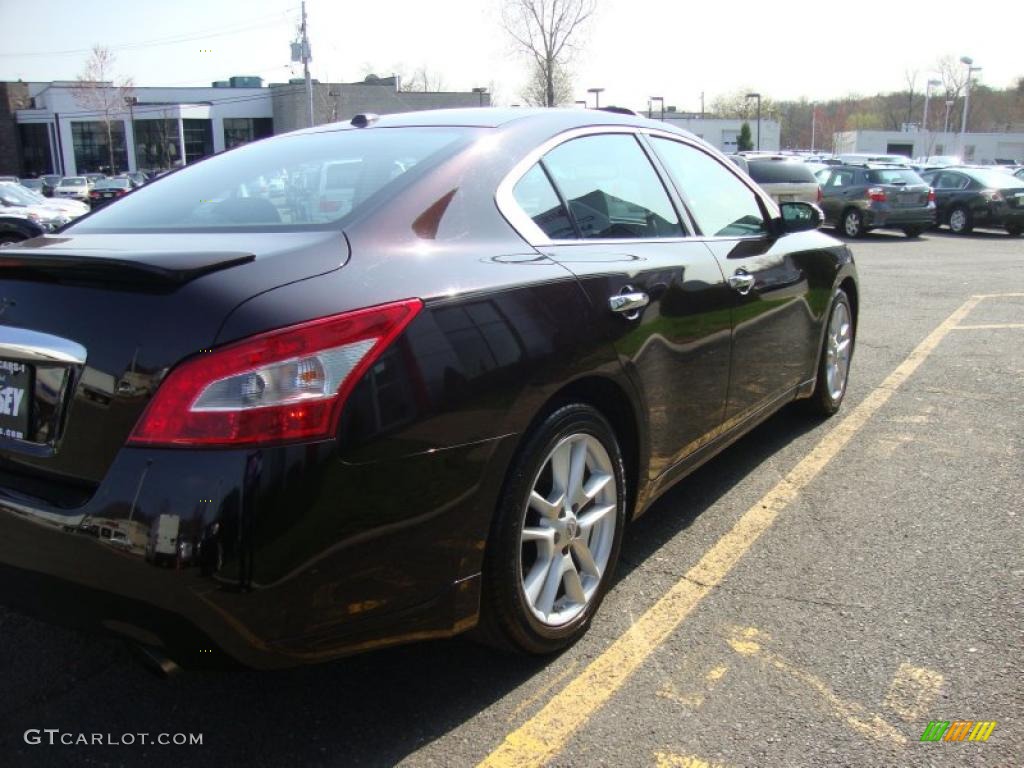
x=107 y=191
x=978 y=197
x=421 y=393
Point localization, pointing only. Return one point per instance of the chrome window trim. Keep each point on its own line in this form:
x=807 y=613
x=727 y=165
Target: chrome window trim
x=37 y=347
x=505 y=200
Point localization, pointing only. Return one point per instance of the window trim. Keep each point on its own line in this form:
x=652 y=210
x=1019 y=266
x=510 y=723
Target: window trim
x=526 y=228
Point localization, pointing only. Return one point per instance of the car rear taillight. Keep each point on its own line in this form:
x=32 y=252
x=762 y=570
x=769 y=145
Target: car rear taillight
x=876 y=194
x=992 y=195
x=821 y=195
x=285 y=385
x=931 y=195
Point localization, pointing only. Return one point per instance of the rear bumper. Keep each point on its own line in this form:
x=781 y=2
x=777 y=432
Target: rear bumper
x=275 y=557
x=888 y=216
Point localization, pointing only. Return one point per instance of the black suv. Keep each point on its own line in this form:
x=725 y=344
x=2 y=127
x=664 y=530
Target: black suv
x=971 y=197
x=858 y=198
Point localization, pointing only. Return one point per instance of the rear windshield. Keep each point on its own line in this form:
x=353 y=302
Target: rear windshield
x=997 y=179
x=305 y=181
x=781 y=172
x=72 y=181
x=894 y=176
x=112 y=184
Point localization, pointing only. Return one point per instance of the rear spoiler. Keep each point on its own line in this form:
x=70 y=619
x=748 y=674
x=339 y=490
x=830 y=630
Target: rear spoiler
x=156 y=270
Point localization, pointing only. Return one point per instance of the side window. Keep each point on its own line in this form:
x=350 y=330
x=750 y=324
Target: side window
x=722 y=205
x=612 y=189
x=537 y=198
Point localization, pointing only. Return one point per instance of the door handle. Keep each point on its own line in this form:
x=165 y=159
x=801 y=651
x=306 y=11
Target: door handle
x=629 y=304
x=742 y=281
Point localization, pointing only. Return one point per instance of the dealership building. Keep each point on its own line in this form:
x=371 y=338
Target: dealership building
x=53 y=127
x=722 y=132
x=1005 y=147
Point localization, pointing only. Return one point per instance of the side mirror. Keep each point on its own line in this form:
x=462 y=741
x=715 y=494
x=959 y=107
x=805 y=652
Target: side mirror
x=800 y=217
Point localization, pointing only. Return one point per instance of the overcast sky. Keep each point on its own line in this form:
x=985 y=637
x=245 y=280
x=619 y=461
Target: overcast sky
x=632 y=48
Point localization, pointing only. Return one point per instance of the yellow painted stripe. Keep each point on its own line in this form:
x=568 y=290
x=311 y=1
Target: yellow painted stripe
x=669 y=760
x=988 y=327
x=541 y=737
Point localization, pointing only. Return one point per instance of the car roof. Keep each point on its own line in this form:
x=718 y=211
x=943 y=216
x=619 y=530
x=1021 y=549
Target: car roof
x=498 y=117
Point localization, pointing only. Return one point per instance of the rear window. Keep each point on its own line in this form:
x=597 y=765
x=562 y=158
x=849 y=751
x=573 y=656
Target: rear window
x=781 y=172
x=894 y=176
x=112 y=184
x=72 y=181
x=997 y=179
x=305 y=181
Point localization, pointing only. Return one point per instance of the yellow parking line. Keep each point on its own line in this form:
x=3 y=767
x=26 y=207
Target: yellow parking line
x=668 y=760
x=988 y=327
x=542 y=736
x=912 y=691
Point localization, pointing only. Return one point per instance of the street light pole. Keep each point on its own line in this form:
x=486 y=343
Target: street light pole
x=971 y=69
x=927 y=95
x=758 y=97
x=597 y=96
x=814 y=123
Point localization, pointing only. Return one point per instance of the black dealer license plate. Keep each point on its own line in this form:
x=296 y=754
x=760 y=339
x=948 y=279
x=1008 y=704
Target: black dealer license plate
x=15 y=399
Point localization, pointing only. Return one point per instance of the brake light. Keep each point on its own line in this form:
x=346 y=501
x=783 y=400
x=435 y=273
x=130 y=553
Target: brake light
x=877 y=194
x=821 y=196
x=992 y=195
x=931 y=195
x=285 y=385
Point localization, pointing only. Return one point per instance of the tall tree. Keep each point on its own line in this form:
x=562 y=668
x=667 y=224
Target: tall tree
x=743 y=142
x=547 y=32
x=95 y=89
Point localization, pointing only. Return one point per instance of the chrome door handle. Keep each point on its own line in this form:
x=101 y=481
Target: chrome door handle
x=629 y=303
x=742 y=282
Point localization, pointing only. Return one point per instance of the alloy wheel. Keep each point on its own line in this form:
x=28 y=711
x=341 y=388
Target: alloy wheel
x=851 y=224
x=568 y=529
x=838 y=348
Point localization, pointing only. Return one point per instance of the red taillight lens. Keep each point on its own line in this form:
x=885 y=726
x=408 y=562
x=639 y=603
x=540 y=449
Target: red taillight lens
x=931 y=195
x=877 y=194
x=992 y=195
x=821 y=196
x=280 y=386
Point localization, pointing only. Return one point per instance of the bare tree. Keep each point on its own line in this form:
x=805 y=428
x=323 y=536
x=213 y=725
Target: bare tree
x=910 y=78
x=545 y=31
x=423 y=80
x=96 y=91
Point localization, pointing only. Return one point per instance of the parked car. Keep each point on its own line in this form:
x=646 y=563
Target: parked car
x=9 y=179
x=859 y=198
x=75 y=187
x=16 y=226
x=64 y=206
x=108 y=190
x=50 y=183
x=14 y=198
x=859 y=158
x=435 y=409
x=35 y=185
x=95 y=177
x=785 y=179
x=136 y=178
x=978 y=197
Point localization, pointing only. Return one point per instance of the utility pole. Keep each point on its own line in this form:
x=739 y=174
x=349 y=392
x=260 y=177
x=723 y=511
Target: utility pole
x=814 y=123
x=131 y=101
x=306 y=57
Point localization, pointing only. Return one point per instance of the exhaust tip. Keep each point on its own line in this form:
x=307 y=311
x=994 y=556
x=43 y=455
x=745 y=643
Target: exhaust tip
x=155 y=660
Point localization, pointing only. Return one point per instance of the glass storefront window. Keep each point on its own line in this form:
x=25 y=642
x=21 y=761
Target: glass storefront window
x=198 y=139
x=242 y=130
x=157 y=145
x=92 y=146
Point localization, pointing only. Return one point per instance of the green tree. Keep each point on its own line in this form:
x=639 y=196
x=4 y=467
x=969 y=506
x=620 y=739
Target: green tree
x=743 y=142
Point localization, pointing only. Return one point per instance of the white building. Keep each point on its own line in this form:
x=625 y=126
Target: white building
x=722 y=132
x=972 y=147
x=166 y=126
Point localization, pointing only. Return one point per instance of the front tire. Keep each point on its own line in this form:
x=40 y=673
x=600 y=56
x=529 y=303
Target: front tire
x=834 y=360
x=913 y=232
x=555 y=539
x=1014 y=230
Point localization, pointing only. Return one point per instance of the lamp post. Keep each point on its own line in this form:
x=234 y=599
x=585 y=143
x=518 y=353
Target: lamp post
x=927 y=95
x=130 y=102
x=758 y=97
x=945 y=124
x=597 y=96
x=480 y=93
x=971 y=69
x=814 y=122
x=660 y=99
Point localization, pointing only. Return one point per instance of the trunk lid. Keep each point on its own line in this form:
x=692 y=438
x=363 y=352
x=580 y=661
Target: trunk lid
x=90 y=324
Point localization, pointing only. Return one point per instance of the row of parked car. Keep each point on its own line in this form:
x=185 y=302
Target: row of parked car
x=859 y=193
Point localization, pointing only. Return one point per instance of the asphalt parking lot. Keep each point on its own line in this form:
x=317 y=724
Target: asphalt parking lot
x=814 y=596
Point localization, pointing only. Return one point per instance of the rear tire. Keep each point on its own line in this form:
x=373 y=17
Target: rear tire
x=7 y=238
x=555 y=538
x=853 y=223
x=834 y=360
x=913 y=231
x=1015 y=230
x=961 y=222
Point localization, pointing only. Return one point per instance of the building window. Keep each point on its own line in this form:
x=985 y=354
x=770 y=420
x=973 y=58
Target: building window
x=92 y=145
x=242 y=130
x=156 y=144
x=35 y=148
x=198 y=139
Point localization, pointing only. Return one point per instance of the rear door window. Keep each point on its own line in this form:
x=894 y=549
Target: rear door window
x=894 y=176
x=722 y=204
x=611 y=188
x=537 y=198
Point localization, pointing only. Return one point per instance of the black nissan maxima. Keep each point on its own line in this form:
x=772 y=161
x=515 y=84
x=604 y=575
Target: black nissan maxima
x=393 y=379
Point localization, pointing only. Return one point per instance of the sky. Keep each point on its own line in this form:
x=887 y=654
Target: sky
x=633 y=49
